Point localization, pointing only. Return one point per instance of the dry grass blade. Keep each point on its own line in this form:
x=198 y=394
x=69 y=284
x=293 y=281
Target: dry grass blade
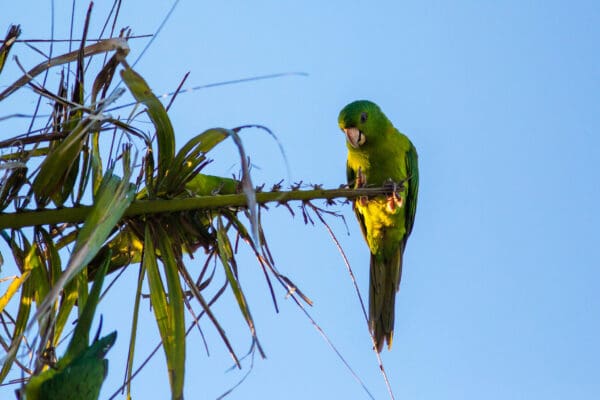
x=115 y=44
x=206 y=309
x=228 y=261
x=11 y=37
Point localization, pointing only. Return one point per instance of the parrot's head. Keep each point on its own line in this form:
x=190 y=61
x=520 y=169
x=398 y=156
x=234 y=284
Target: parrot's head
x=363 y=122
x=100 y=347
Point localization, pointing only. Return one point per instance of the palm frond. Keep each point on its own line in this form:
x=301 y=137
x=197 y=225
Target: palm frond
x=76 y=203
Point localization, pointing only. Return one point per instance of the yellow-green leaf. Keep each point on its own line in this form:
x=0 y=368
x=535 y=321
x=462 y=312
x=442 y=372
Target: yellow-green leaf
x=226 y=256
x=190 y=158
x=113 y=198
x=176 y=358
x=55 y=177
x=164 y=130
x=30 y=261
x=79 y=341
x=134 y=322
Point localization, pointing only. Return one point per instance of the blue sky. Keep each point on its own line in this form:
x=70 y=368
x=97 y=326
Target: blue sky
x=499 y=295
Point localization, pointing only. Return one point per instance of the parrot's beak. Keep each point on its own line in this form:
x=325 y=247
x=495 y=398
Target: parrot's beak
x=355 y=137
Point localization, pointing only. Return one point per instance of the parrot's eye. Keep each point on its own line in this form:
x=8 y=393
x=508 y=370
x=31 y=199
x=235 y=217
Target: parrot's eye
x=363 y=117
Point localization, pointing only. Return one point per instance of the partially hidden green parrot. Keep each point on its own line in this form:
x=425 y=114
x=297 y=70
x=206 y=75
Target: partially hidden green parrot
x=79 y=379
x=380 y=155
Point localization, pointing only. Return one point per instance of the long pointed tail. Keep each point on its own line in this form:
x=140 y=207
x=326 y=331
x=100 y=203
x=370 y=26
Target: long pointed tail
x=384 y=283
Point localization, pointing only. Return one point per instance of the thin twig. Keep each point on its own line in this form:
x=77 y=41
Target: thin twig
x=157 y=347
x=332 y=346
x=72 y=40
x=362 y=304
x=177 y=91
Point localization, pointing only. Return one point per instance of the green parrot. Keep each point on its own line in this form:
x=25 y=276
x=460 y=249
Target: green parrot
x=80 y=379
x=378 y=155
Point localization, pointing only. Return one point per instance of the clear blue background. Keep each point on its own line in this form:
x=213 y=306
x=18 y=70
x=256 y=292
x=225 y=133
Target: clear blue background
x=499 y=295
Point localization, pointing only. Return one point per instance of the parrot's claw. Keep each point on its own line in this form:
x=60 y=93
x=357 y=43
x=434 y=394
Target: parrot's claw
x=394 y=200
x=361 y=179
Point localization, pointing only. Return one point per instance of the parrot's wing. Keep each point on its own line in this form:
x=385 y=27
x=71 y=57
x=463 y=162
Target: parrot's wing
x=361 y=222
x=412 y=169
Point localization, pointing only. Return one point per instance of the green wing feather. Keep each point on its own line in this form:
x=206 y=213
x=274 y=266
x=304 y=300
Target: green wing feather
x=412 y=170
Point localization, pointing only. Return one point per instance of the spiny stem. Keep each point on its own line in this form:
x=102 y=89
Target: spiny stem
x=78 y=214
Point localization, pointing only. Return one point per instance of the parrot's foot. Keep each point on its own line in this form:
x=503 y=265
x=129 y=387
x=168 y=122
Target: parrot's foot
x=394 y=200
x=361 y=181
x=361 y=178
